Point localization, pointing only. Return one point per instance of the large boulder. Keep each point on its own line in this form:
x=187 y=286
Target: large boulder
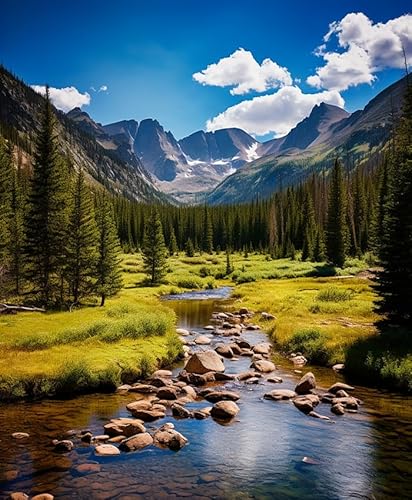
x=203 y=362
x=306 y=384
x=137 y=442
x=124 y=427
x=225 y=410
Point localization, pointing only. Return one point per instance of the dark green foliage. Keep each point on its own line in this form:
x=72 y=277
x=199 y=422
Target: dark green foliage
x=173 y=248
x=154 y=249
x=190 y=249
x=336 y=230
x=46 y=222
x=16 y=232
x=309 y=229
x=395 y=281
x=108 y=277
x=81 y=241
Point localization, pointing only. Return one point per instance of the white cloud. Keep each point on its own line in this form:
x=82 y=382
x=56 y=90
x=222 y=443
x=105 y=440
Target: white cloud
x=274 y=113
x=103 y=88
x=367 y=49
x=65 y=98
x=241 y=71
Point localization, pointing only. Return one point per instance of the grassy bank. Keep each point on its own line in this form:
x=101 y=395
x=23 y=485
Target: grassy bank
x=89 y=349
x=323 y=312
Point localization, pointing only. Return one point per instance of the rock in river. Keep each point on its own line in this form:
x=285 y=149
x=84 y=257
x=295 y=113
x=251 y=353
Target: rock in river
x=306 y=384
x=262 y=348
x=225 y=410
x=306 y=403
x=203 y=362
x=137 y=442
x=224 y=350
x=170 y=438
x=279 y=394
x=215 y=396
x=64 y=446
x=203 y=340
x=264 y=366
x=106 y=450
x=340 y=386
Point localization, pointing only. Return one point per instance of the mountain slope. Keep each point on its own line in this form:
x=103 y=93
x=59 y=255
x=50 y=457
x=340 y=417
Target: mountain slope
x=353 y=138
x=20 y=111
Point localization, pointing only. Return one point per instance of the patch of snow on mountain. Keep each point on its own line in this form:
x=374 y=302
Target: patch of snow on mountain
x=251 y=153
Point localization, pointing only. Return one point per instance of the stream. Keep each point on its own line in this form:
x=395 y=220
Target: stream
x=258 y=455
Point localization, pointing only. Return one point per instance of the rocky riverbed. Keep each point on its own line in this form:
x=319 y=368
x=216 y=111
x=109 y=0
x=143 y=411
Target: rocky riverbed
x=233 y=420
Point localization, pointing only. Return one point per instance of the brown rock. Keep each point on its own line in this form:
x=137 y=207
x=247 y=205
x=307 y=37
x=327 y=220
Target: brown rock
x=306 y=384
x=264 y=366
x=225 y=410
x=203 y=340
x=203 y=362
x=224 y=350
x=168 y=393
x=340 y=386
x=279 y=394
x=143 y=388
x=19 y=495
x=245 y=375
x=274 y=380
x=262 y=348
x=314 y=414
x=306 y=403
x=349 y=403
x=162 y=373
x=137 y=442
x=20 y=435
x=148 y=415
x=223 y=377
x=180 y=411
x=88 y=468
x=338 y=409
x=243 y=344
x=63 y=446
x=215 y=396
x=106 y=450
x=170 y=438
x=43 y=496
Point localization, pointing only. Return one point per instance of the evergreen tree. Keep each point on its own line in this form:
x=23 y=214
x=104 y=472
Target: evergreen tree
x=229 y=268
x=81 y=241
x=395 y=281
x=108 y=277
x=46 y=222
x=336 y=230
x=190 y=249
x=309 y=228
x=6 y=173
x=16 y=242
x=208 y=233
x=173 y=248
x=319 y=248
x=154 y=249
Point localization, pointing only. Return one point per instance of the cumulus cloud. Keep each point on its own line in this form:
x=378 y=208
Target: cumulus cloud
x=274 y=113
x=366 y=48
x=65 y=98
x=241 y=71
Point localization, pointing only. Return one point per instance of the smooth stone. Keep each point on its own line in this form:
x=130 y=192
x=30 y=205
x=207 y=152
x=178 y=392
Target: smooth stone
x=143 y=388
x=137 y=442
x=19 y=495
x=162 y=373
x=306 y=403
x=106 y=450
x=299 y=360
x=169 y=393
x=180 y=411
x=340 y=386
x=223 y=377
x=252 y=380
x=86 y=469
x=338 y=367
x=202 y=340
x=280 y=394
x=225 y=410
x=124 y=387
x=235 y=349
x=160 y=381
x=245 y=375
x=149 y=415
x=215 y=396
x=243 y=344
x=306 y=384
x=101 y=437
x=262 y=348
x=202 y=413
x=203 y=362
x=182 y=331
x=224 y=350
x=43 y=496
x=209 y=327
x=342 y=394
x=349 y=403
x=169 y=438
x=189 y=391
x=20 y=435
x=274 y=380
x=314 y=414
x=264 y=366
x=338 y=409
x=127 y=429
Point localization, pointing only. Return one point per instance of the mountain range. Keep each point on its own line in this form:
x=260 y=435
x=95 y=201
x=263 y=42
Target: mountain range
x=143 y=161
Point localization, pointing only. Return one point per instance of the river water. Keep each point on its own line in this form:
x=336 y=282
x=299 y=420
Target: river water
x=259 y=455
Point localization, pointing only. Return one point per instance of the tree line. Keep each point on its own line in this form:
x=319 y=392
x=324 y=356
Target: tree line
x=58 y=239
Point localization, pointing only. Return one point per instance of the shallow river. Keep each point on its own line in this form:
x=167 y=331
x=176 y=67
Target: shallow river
x=259 y=455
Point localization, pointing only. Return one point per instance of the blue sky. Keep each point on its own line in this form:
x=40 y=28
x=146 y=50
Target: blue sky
x=146 y=53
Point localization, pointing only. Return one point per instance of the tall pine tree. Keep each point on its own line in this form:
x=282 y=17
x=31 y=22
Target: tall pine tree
x=81 y=241
x=154 y=249
x=46 y=222
x=336 y=230
x=108 y=274
x=395 y=281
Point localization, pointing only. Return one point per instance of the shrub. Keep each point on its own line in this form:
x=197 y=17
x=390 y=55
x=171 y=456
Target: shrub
x=312 y=343
x=189 y=282
x=245 y=278
x=334 y=294
x=205 y=271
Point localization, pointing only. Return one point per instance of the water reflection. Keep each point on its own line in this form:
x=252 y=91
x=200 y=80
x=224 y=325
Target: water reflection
x=366 y=455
